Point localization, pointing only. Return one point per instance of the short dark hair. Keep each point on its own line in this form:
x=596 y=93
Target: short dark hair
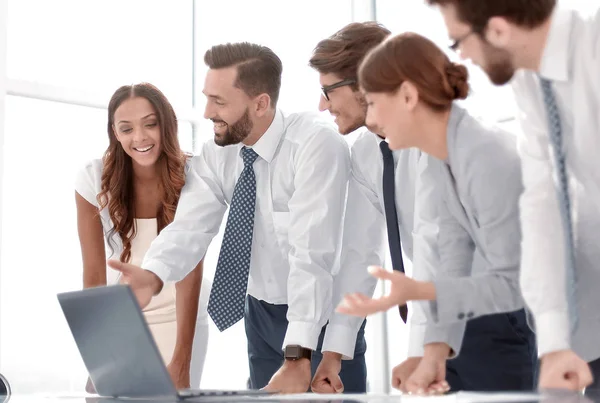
x=476 y=13
x=342 y=52
x=258 y=67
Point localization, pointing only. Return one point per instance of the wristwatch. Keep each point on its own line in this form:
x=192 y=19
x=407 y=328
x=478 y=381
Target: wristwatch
x=295 y=352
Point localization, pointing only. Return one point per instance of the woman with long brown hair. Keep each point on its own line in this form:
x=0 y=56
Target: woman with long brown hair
x=124 y=200
x=411 y=88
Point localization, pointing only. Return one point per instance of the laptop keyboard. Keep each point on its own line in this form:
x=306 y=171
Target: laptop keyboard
x=215 y=392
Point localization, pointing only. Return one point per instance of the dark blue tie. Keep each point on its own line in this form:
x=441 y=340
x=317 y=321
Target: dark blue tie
x=228 y=293
x=564 y=202
x=391 y=216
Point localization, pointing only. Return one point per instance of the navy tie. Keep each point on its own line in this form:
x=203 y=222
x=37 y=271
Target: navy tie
x=391 y=216
x=228 y=293
x=564 y=202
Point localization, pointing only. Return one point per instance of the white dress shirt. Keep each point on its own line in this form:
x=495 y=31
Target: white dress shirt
x=365 y=241
x=301 y=181
x=571 y=60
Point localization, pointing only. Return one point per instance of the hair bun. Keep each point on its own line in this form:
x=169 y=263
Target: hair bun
x=458 y=77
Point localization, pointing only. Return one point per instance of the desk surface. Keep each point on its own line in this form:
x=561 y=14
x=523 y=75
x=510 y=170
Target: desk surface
x=461 y=397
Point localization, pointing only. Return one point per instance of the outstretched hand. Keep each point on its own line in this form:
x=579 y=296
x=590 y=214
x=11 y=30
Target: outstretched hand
x=143 y=283
x=403 y=289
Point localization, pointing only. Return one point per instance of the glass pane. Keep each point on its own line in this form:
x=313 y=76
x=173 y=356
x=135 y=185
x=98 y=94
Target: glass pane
x=45 y=144
x=99 y=46
x=280 y=25
x=587 y=8
x=486 y=100
x=186 y=142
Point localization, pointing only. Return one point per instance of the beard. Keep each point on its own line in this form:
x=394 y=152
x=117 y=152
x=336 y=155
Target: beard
x=358 y=120
x=499 y=66
x=353 y=125
x=236 y=132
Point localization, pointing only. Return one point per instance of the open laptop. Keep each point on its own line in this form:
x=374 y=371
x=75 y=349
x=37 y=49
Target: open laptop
x=118 y=349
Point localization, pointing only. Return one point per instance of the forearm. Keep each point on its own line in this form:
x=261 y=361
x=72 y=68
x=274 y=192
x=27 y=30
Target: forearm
x=183 y=243
x=187 y=296
x=437 y=350
x=94 y=276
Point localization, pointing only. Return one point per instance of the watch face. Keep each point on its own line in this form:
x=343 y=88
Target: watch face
x=292 y=352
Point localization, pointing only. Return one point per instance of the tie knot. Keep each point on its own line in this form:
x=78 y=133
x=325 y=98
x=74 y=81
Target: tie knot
x=385 y=149
x=249 y=156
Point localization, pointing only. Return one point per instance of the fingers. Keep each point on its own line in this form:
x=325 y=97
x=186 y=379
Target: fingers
x=420 y=381
x=336 y=383
x=322 y=386
x=585 y=376
x=362 y=306
x=416 y=385
x=353 y=304
x=124 y=268
x=439 y=387
x=396 y=382
x=269 y=388
x=567 y=381
x=381 y=273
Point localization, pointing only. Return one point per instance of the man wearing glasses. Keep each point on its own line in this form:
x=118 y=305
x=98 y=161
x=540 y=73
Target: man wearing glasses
x=394 y=191
x=550 y=55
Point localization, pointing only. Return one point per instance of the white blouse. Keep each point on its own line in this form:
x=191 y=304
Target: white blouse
x=162 y=307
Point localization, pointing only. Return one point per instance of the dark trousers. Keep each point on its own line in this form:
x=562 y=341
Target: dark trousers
x=594 y=388
x=498 y=354
x=266 y=325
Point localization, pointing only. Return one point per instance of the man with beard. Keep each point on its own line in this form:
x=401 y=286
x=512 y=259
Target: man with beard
x=284 y=178
x=490 y=356
x=557 y=89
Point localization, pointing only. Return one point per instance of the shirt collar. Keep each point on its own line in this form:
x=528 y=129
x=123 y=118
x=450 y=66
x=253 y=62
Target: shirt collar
x=267 y=145
x=555 y=59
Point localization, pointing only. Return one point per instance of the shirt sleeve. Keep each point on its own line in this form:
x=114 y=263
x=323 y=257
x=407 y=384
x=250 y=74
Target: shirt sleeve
x=425 y=251
x=363 y=245
x=182 y=244
x=87 y=183
x=316 y=209
x=542 y=269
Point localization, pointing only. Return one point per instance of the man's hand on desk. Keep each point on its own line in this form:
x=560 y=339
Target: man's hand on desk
x=143 y=283
x=430 y=375
x=327 y=378
x=292 y=377
x=564 y=370
x=402 y=372
x=403 y=289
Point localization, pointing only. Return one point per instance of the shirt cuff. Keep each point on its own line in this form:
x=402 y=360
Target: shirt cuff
x=304 y=334
x=552 y=331
x=416 y=337
x=452 y=335
x=340 y=339
x=448 y=306
x=160 y=269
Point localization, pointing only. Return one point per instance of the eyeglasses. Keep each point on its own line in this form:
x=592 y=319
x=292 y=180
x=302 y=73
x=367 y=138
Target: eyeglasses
x=327 y=88
x=456 y=44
